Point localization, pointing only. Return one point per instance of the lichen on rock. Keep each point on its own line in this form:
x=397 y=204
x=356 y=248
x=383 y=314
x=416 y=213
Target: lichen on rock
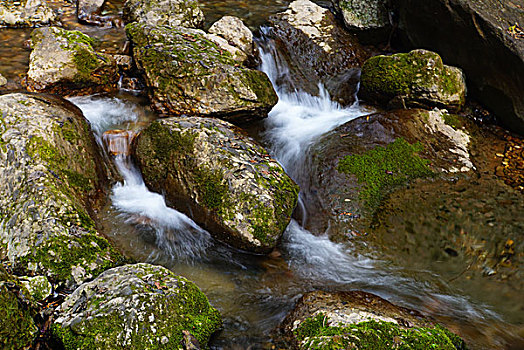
x=63 y=60
x=414 y=79
x=171 y=13
x=51 y=178
x=137 y=306
x=188 y=74
x=232 y=186
x=26 y=13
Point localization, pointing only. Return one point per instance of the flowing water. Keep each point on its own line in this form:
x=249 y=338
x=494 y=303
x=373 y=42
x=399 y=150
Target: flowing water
x=254 y=293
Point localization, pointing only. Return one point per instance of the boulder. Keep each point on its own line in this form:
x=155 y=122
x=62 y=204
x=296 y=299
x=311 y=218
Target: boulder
x=17 y=308
x=360 y=162
x=427 y=190
x=138 y=306
x=491 y=47
x=51 y=178
x=320 y=49
x=210 y=170
x=360 y=320
x=26 y=13
x=368 y=18
x=414 y=79
x=236 y=33
x=170 y=13
x=65 y=62
x=188 y=74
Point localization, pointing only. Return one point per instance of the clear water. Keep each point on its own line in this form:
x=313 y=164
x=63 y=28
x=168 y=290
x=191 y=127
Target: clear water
x=254 y=293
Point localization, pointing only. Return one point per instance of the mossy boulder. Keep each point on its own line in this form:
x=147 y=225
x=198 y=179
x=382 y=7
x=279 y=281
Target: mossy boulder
x=38 y=287
x=51 y=179
x=26 y=13
x=17 y=308
x=358 y=164
x=368 y=18
x=188 y=74
x=228 y=183
x=138 y=306
x=359 y=320
x=65 y=62
x=489 y=35
x=319 y=49
x=170 y=13
x=414 y=79
x=423 y=189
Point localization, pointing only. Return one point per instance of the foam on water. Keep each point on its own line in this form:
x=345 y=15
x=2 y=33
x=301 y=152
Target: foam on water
x=175 y=233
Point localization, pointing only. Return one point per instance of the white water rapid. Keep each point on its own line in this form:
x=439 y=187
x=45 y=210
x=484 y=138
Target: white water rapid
x=176 y=234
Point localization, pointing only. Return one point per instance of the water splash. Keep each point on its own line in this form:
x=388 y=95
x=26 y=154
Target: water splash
x=175 y=234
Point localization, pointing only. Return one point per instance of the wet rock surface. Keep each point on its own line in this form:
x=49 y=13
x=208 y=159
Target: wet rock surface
x=26 y=13
x=226 y=181
x=360 y=320
x=492 y=51
x=171 y=13
x=318 y=44
x=414 y=79
x=188 y=74
x=137 y=306
x=47 y=194
x=65 y=62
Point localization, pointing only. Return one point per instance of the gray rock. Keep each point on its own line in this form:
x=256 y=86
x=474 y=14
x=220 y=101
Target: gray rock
x=188 y=74
x=138 y=306
x=64 y=60
x=491 y=48
x=38 y=286
x=26 y=13
x=171 y=13
x=360 y=320
x=363 y=14
x=414 y=79
x=223 y=179
x=51 y=176
x=3 y=80
x=235 y=32
x=320 y=48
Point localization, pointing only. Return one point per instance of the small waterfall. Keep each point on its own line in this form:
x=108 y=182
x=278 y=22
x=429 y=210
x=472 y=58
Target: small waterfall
x=116 y=124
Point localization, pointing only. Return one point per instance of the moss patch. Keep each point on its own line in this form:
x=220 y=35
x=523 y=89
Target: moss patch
x=17 y=328
x=373 y=335
x=384 y=168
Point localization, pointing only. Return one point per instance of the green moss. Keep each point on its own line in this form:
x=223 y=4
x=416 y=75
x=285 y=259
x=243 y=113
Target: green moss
x=384 y=168
x=75 y=37
x=86 y=63
x=60 y=253
x=212 y=187
x=17 y=328
x=317 y=334
x=453 y=120
x=185 y=308
x=259 y=83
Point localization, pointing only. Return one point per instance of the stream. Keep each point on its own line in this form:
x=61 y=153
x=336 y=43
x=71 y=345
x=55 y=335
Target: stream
x=254 y=293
